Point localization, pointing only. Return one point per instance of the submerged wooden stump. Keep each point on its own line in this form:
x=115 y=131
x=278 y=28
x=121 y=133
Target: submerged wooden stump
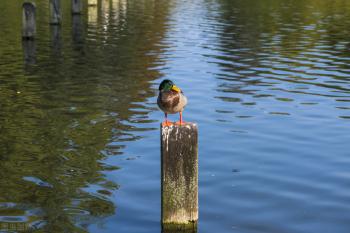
x=55 y=11
x=179 y=174
x=28 y=21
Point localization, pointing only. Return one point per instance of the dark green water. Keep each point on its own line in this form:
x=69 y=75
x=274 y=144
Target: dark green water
x=268 y=82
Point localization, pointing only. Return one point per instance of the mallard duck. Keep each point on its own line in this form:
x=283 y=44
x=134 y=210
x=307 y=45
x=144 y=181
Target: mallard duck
x=171 y=100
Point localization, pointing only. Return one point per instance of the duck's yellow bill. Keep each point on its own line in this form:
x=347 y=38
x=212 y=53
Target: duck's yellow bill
x=175 y=88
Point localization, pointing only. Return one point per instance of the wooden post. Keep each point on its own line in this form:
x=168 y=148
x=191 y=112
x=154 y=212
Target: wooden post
x=77 y=6
x=28 y=21
x=179 y=174
x=92 y=2
x=55 y=11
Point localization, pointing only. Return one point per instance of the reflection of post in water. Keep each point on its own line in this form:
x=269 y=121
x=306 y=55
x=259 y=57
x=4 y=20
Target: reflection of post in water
x=118 y=9
x=115 y=9
x=92 y=14
x=105 y=15
x=92 y=2
x=115 y=4
x=28 y=33
x=55 y=11
x=77 y=30
x=77 y=6
x=29 y=51
x=105 y=7
x=56 y=38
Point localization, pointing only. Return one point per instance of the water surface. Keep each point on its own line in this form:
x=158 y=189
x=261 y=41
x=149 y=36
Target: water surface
x=268 y=83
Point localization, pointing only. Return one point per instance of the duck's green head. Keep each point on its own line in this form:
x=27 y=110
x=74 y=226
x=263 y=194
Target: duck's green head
x=167 y=85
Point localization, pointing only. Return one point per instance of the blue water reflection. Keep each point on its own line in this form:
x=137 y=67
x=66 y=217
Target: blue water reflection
x=268 y=84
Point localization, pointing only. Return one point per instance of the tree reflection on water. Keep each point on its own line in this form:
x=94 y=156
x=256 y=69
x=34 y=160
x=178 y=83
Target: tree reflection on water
x=70 y=109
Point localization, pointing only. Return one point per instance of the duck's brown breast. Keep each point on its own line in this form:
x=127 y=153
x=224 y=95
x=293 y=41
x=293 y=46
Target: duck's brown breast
x=169 y=101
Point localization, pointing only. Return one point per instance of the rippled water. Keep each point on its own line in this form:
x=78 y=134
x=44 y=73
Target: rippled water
x=267 y=81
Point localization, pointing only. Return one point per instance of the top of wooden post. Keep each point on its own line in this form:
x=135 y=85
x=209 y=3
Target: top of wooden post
x=176 y=132
x=188 y=125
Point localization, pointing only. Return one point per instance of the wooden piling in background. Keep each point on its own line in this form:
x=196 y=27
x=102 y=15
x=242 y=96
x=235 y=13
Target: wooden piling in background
x=77 y=6
x=179 y=176
x=55 y=11
x=28 y=21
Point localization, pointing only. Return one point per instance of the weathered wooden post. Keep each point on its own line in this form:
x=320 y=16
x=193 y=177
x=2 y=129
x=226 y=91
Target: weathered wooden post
x=28 y=21
x=55 y=11
x=92 y=2
x=179 y=174
x=77 y=6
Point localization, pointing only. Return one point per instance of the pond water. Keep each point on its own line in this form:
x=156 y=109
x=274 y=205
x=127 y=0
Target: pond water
x=268 y=83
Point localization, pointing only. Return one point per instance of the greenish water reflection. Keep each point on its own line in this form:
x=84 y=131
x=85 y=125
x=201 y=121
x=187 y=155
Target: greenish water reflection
x=68 y=105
